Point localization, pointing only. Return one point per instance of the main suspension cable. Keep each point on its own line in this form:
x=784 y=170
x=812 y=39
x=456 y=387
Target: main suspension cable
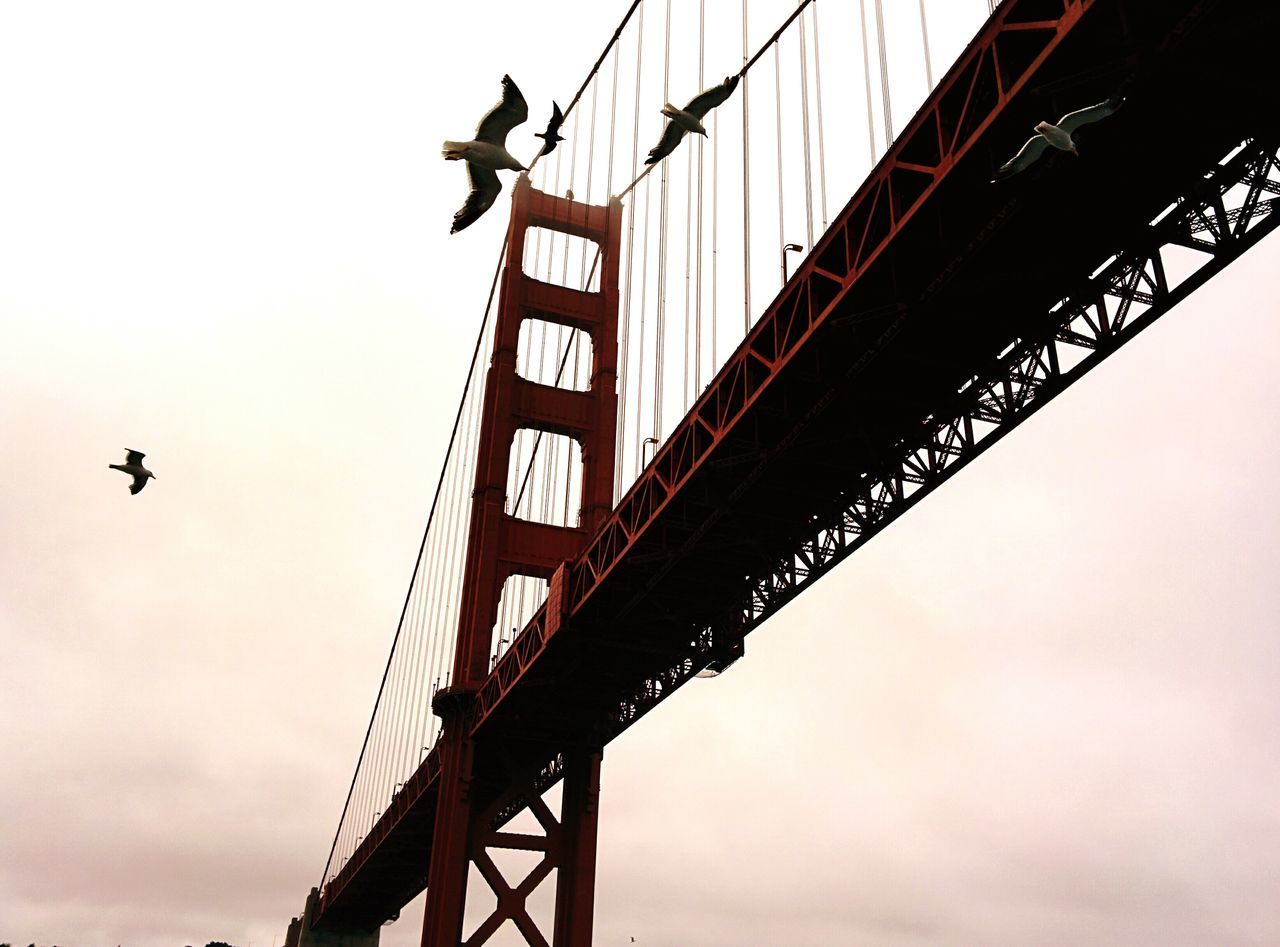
x=595 y=68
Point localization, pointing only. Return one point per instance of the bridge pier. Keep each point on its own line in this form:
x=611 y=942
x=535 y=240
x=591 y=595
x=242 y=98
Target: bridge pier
x=301 y=934
x=579 y=819
x=450 y=859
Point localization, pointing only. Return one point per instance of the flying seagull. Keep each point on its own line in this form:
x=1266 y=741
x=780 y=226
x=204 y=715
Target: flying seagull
x=689 y=118
x=551 y=137
x=133 y=466
x=1059 y=136
x=487 y=154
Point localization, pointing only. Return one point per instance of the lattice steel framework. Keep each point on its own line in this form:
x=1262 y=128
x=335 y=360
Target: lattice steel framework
x=996 y=66
x=1224 y=214
x=870 y=310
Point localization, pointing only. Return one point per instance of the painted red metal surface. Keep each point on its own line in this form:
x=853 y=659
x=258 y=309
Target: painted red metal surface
x=501 y=545
x=916 y=292
x=998 y=63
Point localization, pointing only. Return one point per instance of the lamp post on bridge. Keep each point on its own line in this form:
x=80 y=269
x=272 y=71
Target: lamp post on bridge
x=794 y=247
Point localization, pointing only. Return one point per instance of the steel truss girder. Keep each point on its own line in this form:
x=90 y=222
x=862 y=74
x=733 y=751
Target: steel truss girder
x=789 y=323
x=1121 y=300
x=1117 y=303
x=997 y=65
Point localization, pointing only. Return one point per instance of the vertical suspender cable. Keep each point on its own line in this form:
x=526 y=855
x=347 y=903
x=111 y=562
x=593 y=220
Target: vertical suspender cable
x=661 y=320
x=434 y=580
x=608 y=193
x=408 y=756
x=884 y=75
x=625 y=329
x=777 y=93
x=644 y=292
x=804 y=111
x=688 y=268
x=715 y=227
x=697 y=314
x=613 y=127
x=583 y=280
x=924 y=36
x=746 y=187
x=417 y=562
x=551 y=466
x=866 y=71
x=822 y=145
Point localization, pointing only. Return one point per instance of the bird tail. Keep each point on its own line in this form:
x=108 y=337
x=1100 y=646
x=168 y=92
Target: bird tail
x=669 y=110
x=116 y=467
x=454 y=150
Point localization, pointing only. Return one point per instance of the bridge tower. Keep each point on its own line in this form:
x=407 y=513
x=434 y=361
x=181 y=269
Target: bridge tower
x=467 y=823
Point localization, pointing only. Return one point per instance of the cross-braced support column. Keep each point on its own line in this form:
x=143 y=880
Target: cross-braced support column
x=501 y=545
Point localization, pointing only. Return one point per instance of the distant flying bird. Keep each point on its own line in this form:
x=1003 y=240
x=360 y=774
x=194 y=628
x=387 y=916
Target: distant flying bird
x=551 y=137
x=133 y=467
x=689 y=118
x=1059 y=136
x=487 y=153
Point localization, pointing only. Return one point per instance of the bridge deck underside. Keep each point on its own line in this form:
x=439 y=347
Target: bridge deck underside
x=975 y=267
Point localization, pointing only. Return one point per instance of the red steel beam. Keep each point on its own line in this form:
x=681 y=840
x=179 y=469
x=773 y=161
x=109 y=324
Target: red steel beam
x=964 y=104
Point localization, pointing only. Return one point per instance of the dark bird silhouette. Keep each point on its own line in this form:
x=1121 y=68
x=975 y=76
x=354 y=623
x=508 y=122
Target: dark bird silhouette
x=487 y=154
x=551 y=137
x=689 y=118
x=1060 y=136
x=133 y=466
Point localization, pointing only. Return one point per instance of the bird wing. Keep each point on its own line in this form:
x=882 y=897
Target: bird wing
x=506 y=115
x=1073 y=120
x=706 y=100
x=133 y=456
x=671 y=136
x=139 y=481
x=1032 y=150
x=551 y=137
x=485 y=188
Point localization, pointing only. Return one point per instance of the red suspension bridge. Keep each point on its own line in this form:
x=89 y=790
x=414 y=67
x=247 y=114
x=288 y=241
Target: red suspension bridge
x=611 y=523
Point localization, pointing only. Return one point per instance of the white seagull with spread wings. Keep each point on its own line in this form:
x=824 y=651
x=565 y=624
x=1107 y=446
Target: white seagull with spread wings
x=1059 y=136
x=133 y=466
x=689 y=118
x=487 y=154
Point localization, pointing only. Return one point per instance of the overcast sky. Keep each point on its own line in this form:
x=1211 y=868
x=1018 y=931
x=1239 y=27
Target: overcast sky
x=1041 y=709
